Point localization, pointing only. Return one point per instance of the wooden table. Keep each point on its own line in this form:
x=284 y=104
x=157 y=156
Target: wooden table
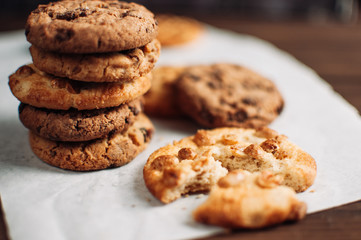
x=333 y=50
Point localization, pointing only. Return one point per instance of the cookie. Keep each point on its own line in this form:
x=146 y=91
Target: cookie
x=86 y=26
x=113 y=151
x=74 y=126
x=39 y=89
x=196 y=163
x=228 y=95
x=102 y=67
x=177 y=30
x=160 y=100
x=245 y=200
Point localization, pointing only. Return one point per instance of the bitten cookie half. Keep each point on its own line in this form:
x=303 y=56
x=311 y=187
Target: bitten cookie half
x=39 y=89
x=160 y=100
x=250 y=200
x=86 y=26
x=75 y=126
x=197 y=162
x=113 y=151
x=102 y=67
x=228 y=95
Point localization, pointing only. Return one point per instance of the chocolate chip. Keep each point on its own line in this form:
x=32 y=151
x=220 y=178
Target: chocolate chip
x=239 y=116
x=194 y=78
x=206 y=115
x=134 y=110
x=25 y=71
x=249 y=101
x=147 y=134
x=63 y=35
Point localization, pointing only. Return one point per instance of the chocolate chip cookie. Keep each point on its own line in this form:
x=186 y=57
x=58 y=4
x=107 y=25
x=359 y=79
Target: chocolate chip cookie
x=102 y=67
x=160 y=100
x=223 y=94
x=250 y=200
x=74 y=126
x=85 y=26
x=39 y=89
x=196 y=163
x=114 y=150
x=177 y=30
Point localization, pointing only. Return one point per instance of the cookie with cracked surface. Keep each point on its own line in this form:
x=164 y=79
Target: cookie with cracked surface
x=177 y=30
x=160 y=100
x=98 y=67
x=228 y=95
x=74 y=126
x=250 y=200
x=39 y=89
x=114 y=150
x=87 y=26
x=197 y=162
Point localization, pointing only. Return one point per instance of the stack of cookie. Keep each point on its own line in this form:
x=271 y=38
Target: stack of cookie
x=82 y=96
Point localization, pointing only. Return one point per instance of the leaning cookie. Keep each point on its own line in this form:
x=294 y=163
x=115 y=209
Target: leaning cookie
x=228 y=95
x=113 y=151
x=160 y=100
x=245 y=200
x=197 y=162
x=87 y=26
x=75 y=126
x=102 y=67
x=177 y=30
x=39 y=89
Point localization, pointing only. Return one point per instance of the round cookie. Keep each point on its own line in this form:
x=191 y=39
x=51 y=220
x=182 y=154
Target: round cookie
x=160 y=100
x=177 y=30
x=113 y=151
x=101 y=67
x=197 y=162
x=228 y=95
x=74 y=126
x=245 y=200
x=39 y=89
x=86 y=26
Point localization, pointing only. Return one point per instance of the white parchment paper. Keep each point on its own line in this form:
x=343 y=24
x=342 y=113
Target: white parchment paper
x=44 y=202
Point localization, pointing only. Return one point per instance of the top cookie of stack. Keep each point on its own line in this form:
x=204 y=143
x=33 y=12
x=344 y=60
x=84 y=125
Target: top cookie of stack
x=93 y=41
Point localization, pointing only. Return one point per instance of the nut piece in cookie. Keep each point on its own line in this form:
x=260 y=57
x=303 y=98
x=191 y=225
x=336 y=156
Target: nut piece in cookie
x=114 y=150
x=160 y=100
x=196 y=163
x=228 y=95
x=74 y=126
x=39 y=89
x=177 y=30
x=250 y=200
x=99 y=67
x=90 y=26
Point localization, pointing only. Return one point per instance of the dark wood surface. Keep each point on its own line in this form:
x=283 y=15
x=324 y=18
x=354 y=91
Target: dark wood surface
x=333 y=50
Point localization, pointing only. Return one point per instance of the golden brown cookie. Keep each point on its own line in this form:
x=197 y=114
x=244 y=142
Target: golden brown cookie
x=101 y=67
x=177 y=30
x=36 y=88
x=160 y=100
x=113 y=151
x=245 y=200
x=87 y=26
x=228 y=95
x=197 y=162
x=75 y=126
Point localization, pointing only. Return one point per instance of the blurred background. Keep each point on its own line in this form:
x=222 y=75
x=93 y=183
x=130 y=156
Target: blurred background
x=13 y=13
x=323 y=34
